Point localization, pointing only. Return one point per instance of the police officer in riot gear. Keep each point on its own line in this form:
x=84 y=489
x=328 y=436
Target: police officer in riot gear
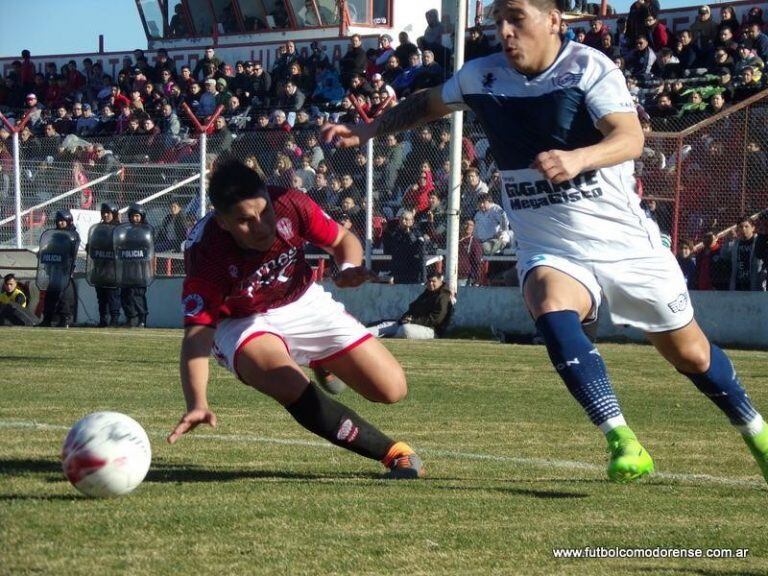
x=101 y=271
x=58 y=251
x=134 y=248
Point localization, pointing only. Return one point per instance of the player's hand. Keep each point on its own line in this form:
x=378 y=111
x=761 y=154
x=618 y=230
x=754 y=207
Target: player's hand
x=345 y=135
x=190 y=421
x=352 y=277
x=557 y=166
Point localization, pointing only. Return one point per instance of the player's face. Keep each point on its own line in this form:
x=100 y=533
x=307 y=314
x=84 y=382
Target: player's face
x=529 y=37
x=251 y=223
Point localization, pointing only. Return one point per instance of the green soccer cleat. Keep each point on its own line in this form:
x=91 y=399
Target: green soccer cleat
x=758 y=445
x=629 y=460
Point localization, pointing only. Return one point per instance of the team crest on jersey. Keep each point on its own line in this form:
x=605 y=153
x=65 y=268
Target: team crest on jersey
x=285 y=228
x=567 y=80
x=679 y=304
x=488 y=81
x=233 y=271
x=193 y=305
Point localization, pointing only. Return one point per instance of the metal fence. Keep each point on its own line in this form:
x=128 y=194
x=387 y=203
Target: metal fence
x=704 y=178
x=693 y=181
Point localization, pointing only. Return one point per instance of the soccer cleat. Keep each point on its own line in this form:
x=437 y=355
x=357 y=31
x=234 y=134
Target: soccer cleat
x=403 y=463
x=629 y=460
x=329 y=382
x=758 y=445
x=406 y=467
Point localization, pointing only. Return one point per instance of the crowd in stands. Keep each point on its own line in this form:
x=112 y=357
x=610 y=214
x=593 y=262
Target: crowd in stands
x=680 y=77
x=271 y=117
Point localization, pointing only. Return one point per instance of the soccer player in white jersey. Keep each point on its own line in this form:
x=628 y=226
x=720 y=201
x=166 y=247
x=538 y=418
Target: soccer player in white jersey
x=564 y=131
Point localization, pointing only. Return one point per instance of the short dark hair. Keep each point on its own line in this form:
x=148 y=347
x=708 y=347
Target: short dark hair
x=745 y=218
x=232 y=182
x=542 y=5
x=9 y=277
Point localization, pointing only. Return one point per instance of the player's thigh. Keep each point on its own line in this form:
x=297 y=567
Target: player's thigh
x=556 y=285
x=372 y=371
x=686 y=348
x=264 y=363
x=647 y=292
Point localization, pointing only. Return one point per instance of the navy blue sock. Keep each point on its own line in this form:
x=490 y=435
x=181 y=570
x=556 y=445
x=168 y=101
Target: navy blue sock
x=721 y=385
x=579 y=364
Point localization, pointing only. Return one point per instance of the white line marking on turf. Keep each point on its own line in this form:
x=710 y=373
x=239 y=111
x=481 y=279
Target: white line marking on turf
x=538 y=462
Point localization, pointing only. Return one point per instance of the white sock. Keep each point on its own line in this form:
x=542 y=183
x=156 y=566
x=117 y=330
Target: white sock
x=612 y=423
x=752 y=428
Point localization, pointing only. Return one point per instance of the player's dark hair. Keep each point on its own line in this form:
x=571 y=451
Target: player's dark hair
x=9 y=277
x=543 y=5
x=232 y=182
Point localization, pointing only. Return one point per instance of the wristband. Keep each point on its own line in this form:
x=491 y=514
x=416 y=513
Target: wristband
x=347 y=265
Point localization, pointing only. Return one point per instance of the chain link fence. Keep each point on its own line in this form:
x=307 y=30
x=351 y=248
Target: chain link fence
x=704 y=178
x=693 y=181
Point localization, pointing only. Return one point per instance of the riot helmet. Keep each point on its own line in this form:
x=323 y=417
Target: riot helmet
x=137 y=208
x=110 y=208
x=64 y=216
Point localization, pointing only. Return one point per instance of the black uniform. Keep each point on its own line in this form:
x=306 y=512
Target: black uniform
x=60 y=307
x=108 y=296
x=134 y=299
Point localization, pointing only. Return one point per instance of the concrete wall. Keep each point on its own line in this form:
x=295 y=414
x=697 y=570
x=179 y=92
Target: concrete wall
x=729 y=318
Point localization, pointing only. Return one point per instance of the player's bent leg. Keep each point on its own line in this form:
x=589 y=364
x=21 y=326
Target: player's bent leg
x=372 y=371
x=559 y=303
x=712 y=372
x=264 y=363
x=328 y=381
x=547 y=289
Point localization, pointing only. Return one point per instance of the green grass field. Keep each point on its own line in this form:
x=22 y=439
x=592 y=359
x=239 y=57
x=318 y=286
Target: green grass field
x=514 y=469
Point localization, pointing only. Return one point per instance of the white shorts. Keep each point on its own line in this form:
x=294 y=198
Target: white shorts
x=647 y=292
x=314 y=328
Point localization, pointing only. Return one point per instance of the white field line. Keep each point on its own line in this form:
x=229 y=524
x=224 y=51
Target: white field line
x=535 y=462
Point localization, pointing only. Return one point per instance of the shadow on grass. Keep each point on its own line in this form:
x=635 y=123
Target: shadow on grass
x=172 y=473
x=33 y=358
x=530 y=492
x=17 y=466
x=52 y=498
x=161 y=472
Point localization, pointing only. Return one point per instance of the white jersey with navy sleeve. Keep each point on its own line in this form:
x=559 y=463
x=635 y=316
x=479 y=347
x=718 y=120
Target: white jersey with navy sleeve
x=596 y=215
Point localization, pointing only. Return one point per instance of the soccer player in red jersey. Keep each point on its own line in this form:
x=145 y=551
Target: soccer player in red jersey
x=249 y=299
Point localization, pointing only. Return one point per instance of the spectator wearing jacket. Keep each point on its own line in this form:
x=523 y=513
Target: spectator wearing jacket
x=656 y=31
x=748 y=256
x=427 y=317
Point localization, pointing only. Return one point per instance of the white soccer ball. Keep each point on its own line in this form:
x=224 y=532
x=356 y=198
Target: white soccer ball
x=106 y=454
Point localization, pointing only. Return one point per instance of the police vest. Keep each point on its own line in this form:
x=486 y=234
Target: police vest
x=6 y=298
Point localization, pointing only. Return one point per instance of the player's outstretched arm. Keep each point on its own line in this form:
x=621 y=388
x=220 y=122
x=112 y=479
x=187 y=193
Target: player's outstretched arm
x=193 y=368
x=419 y=108
x=623 y=140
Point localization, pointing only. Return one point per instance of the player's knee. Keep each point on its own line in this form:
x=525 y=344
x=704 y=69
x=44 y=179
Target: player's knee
x=394 y=389
x=693 y=360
